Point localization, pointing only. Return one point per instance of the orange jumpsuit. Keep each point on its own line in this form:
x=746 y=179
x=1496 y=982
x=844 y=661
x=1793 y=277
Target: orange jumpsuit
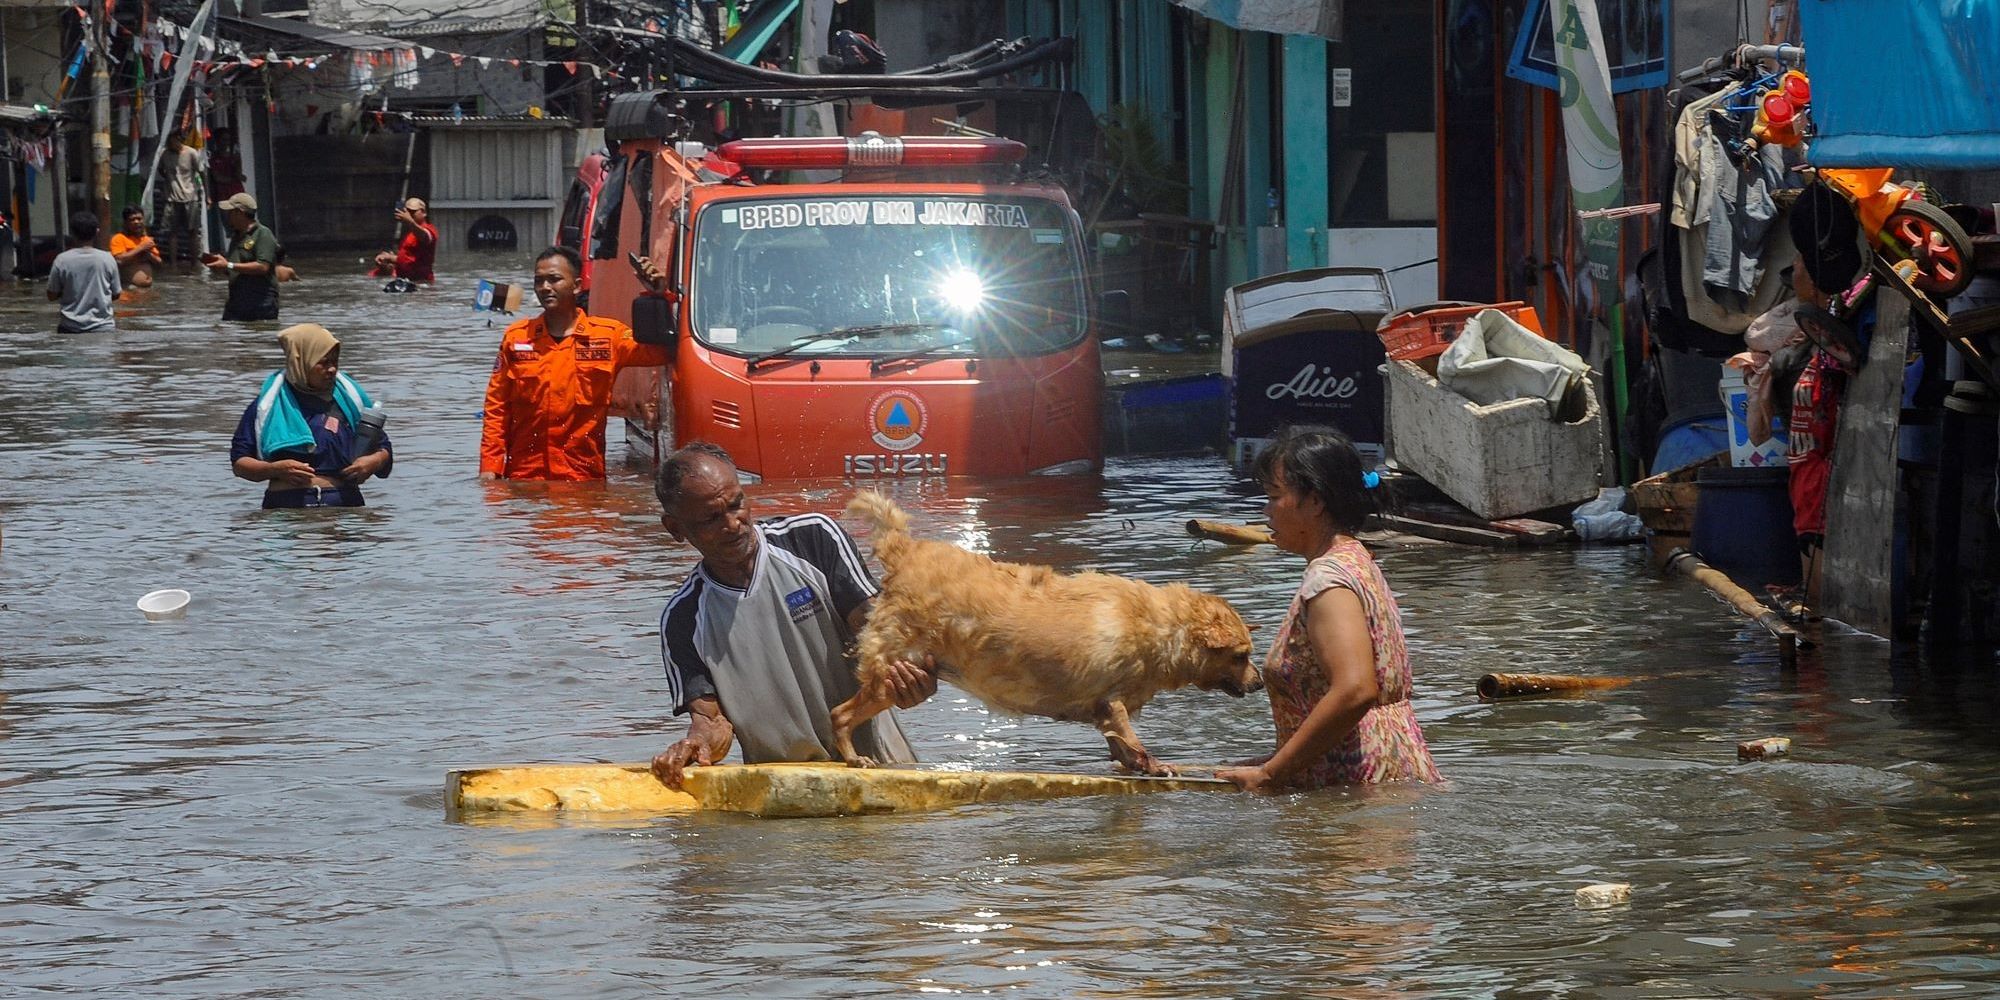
x=548 y=400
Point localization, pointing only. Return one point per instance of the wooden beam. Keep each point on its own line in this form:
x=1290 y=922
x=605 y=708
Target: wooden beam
x=1858 y=567
x=1449 y=532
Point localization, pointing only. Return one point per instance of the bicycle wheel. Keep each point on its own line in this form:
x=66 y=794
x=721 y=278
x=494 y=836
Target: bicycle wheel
x=1922 y=232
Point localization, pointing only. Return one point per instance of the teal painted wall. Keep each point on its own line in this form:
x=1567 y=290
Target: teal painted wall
x=1147 y=69
x=1220 y=70
x=1258 y=176
x=1094 y=53
x=1194 y=152
x=1307 y=152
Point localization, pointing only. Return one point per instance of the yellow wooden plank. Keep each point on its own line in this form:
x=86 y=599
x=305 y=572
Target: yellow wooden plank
x=773 y=790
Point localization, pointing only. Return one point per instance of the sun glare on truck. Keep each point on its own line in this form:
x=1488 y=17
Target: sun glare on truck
x=962 y=290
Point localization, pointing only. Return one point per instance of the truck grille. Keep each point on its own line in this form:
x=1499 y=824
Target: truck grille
x=726 y=414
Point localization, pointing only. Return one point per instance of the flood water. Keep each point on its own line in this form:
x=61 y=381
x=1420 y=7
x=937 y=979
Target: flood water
x=248 y=802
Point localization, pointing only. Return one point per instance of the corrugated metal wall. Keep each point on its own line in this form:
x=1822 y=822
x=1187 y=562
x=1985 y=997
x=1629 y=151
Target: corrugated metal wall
x=513 y=173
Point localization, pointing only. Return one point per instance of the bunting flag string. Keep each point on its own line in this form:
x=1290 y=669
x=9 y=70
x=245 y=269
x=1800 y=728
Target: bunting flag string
x=401 y=60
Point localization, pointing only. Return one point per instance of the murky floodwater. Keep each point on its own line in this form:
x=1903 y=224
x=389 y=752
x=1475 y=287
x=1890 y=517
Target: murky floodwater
x=247 y=802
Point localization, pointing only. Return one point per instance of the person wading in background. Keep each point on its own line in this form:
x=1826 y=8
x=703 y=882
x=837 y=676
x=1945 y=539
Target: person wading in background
x=415 y=256
x=181 y=169
x=251 y=264
x=135 y=250
x=84 y=280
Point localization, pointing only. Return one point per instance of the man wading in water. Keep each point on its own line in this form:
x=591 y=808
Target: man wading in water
x=761 y=629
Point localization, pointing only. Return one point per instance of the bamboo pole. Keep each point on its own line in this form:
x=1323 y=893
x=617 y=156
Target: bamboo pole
x=1231 y=534
x=1718 y=583
x=1495 y=687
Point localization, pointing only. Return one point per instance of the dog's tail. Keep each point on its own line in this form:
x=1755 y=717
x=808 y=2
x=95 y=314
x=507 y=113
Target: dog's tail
x=892 y=526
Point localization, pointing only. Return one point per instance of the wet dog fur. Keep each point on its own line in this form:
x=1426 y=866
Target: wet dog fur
x=1026 y=640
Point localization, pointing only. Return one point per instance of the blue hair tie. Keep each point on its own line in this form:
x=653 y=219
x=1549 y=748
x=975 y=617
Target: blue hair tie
x=1370 y=480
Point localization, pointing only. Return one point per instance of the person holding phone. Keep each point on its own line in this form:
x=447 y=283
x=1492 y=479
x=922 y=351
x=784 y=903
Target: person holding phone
x=251 y=265
x=415 y=257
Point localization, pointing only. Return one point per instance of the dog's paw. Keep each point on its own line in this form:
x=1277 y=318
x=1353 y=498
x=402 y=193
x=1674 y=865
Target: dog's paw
x=860 y=761
x=1148 y=766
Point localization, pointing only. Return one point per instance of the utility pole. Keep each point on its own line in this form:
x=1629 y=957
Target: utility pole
x=100 y=117
x=586 y=79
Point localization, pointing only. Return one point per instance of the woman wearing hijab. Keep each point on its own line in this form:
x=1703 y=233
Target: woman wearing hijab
x=299 y=434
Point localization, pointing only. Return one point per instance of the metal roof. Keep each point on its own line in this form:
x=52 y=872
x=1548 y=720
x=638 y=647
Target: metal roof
x=23 y=114
x=309 y=37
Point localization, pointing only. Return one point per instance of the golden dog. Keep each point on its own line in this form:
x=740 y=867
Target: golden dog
x=1087 y=647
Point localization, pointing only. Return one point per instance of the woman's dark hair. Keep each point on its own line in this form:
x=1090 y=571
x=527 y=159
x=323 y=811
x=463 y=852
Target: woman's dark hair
x=575 y=262
x=1320 y=461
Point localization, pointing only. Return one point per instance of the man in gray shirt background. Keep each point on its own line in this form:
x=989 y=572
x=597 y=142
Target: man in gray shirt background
x=182 y=169
x=84 y=280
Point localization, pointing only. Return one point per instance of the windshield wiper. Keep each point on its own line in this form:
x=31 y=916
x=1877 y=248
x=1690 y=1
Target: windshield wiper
x=878 y=329
x=875 y=367
x=871 y=330
x=750 y=363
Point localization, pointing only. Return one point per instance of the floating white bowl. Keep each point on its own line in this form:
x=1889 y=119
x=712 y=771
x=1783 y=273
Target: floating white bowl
x=161 y=605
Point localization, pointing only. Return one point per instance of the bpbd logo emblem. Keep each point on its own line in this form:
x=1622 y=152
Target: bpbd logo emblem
x=898 y=419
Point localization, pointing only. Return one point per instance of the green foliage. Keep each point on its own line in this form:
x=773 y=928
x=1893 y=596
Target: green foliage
x=1137 y=161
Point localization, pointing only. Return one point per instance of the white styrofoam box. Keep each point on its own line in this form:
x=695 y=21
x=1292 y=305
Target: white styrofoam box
x=1499 y=461
x=1736 y=405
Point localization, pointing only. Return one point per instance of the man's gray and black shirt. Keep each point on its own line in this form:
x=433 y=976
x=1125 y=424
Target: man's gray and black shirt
x=775 y=653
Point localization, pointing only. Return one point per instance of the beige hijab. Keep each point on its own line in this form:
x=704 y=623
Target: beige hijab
x=305 y=346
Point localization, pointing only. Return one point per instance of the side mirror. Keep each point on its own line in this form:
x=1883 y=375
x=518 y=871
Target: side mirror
x=1114 y=310
x=655 y=320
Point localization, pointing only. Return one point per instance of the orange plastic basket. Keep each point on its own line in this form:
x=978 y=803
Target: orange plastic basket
x=1427 y=330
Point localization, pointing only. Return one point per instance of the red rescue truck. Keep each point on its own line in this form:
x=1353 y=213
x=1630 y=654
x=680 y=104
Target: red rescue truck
x=926 y=312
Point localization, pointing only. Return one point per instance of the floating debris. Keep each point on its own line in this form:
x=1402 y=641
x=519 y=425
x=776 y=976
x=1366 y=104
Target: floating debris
x=1770 y=746
x=1604 y=894
x=1494 y=687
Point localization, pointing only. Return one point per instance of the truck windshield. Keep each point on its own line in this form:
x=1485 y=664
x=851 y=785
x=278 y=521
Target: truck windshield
x=879 y=276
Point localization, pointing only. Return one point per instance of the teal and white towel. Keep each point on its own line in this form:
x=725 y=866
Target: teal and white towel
x=281 y=427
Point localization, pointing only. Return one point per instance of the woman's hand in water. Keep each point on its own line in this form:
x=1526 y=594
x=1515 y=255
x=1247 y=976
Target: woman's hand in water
x=1250 y=779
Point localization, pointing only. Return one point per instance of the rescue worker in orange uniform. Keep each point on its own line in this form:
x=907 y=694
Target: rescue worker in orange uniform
x=550 y=395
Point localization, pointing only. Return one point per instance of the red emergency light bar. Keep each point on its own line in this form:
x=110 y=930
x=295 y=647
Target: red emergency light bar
x=870 y=150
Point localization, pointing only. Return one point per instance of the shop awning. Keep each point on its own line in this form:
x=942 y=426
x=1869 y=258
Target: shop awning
x=756 y=30
x=286 y=36
x=1282 y=17
x=1904 y=83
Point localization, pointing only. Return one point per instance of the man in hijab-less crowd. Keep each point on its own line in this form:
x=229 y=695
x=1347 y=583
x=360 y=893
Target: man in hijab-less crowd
x=251 y=265
x=300 y=433
x=555 y=382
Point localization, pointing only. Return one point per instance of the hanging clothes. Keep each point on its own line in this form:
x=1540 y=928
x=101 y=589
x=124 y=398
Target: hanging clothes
x=1739 y=220
x=1698 y=176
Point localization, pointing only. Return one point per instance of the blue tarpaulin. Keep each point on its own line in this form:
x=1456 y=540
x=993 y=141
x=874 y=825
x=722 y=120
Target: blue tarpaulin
x=1904 y=83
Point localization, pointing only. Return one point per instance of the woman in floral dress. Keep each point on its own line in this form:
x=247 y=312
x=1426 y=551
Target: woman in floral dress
x=1338 y=674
